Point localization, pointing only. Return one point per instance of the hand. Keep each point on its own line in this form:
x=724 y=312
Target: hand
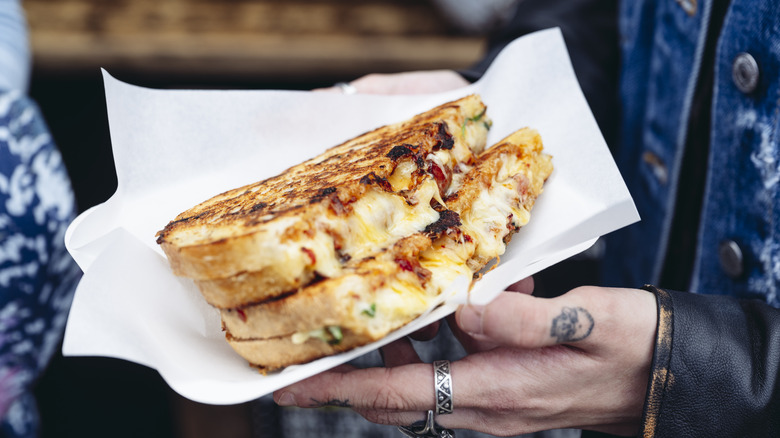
x=579 y=360
x=416 y=82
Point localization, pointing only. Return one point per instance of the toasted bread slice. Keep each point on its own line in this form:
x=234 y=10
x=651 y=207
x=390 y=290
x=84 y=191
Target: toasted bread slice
x=384 y=292
x=271 y=354
x=375 y=296
x=350 y=201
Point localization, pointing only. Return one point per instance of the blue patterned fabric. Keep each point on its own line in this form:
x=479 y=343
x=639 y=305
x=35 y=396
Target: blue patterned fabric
x=37 y=275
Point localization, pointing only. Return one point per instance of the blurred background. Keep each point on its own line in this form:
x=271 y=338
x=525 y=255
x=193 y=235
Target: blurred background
x=226 y=44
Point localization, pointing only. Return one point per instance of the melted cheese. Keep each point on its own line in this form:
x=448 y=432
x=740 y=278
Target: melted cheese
x=400 y=301
x=401 y=178
x=446 y=260
x=379 y=219
x=487 y=219
x=393 y=305
x=457 y=178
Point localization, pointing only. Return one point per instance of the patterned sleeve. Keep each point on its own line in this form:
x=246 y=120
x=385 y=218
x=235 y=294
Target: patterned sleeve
x=37 y=276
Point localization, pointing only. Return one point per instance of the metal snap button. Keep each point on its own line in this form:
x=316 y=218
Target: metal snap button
x=689 y=6
x=731 y=259
x=657 y=165
x=745 y=73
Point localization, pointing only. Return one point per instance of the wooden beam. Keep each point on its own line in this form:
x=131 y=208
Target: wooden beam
x=263 y=39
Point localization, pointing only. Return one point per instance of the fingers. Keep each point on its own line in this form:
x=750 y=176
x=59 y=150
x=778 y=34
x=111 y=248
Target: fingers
x=426 y=333
x=511 y=319
x=582 y=317
x=525 y=286
x=396 y=389
x=400 y=352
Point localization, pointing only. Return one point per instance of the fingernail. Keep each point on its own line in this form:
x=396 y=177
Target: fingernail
x=286 y=399
x=470 y=319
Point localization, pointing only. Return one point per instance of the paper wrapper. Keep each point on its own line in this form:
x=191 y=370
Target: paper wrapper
x=176 y=148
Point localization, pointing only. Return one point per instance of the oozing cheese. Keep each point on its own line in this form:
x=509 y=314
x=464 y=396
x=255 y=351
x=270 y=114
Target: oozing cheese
x=380 y=218
x=487 y=219
x=446 y=260
x=401 y=178
x=457 y=178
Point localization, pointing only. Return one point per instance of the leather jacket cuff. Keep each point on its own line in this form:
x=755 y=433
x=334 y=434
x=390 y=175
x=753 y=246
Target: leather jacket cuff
x=659 y=368
x=715 y=368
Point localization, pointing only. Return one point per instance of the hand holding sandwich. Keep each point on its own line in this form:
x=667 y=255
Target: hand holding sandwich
x=580 y=360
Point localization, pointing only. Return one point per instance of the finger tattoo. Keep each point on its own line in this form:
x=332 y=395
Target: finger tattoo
x=573 y=324
x=332 y=402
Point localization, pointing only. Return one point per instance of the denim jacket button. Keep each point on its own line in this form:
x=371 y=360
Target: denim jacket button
x=657 y=166
x=745 y=73
x=689 y=6
x=731 y=259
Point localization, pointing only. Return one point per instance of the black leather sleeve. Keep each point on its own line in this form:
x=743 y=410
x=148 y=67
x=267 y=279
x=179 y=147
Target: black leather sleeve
x=716 y=368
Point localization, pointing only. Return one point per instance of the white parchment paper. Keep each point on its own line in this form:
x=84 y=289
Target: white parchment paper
x=175 y=148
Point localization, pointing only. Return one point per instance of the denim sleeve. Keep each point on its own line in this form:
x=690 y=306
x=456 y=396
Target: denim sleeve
x=14 y=47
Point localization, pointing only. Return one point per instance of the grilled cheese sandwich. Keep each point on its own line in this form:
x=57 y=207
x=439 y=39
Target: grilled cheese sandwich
x=387 y=290
x=348 y=246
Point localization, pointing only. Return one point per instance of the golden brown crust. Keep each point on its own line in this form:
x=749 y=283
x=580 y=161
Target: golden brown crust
x=274 y=353
x=248 y=287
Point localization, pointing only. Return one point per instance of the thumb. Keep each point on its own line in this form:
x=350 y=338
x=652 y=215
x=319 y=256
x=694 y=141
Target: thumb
x=524 y=321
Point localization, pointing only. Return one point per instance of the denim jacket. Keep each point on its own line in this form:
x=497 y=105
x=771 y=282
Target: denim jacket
x=737 y=248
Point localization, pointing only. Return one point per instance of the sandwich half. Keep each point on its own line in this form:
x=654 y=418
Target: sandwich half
x=263 y=240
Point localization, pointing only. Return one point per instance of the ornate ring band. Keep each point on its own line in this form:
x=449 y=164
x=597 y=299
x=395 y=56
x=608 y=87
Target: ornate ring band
x=426 y=429
x=346 y=87
x=443 y=386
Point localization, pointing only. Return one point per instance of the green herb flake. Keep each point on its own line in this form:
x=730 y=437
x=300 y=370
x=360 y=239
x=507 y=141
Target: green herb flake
x=478 y=116
x=371 y=311
x=336 y=335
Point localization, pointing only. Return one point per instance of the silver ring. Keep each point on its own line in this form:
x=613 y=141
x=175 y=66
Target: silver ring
x=346 y=87
x=442 y=386
x=426 y=429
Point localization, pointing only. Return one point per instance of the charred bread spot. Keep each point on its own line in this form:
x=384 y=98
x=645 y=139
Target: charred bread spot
x=326 y=191
x=444 y=139
x=447 y=219
x=322 y=193
x=259 y=206
x=373 y=178
x=401 y=151
x=240 y=309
